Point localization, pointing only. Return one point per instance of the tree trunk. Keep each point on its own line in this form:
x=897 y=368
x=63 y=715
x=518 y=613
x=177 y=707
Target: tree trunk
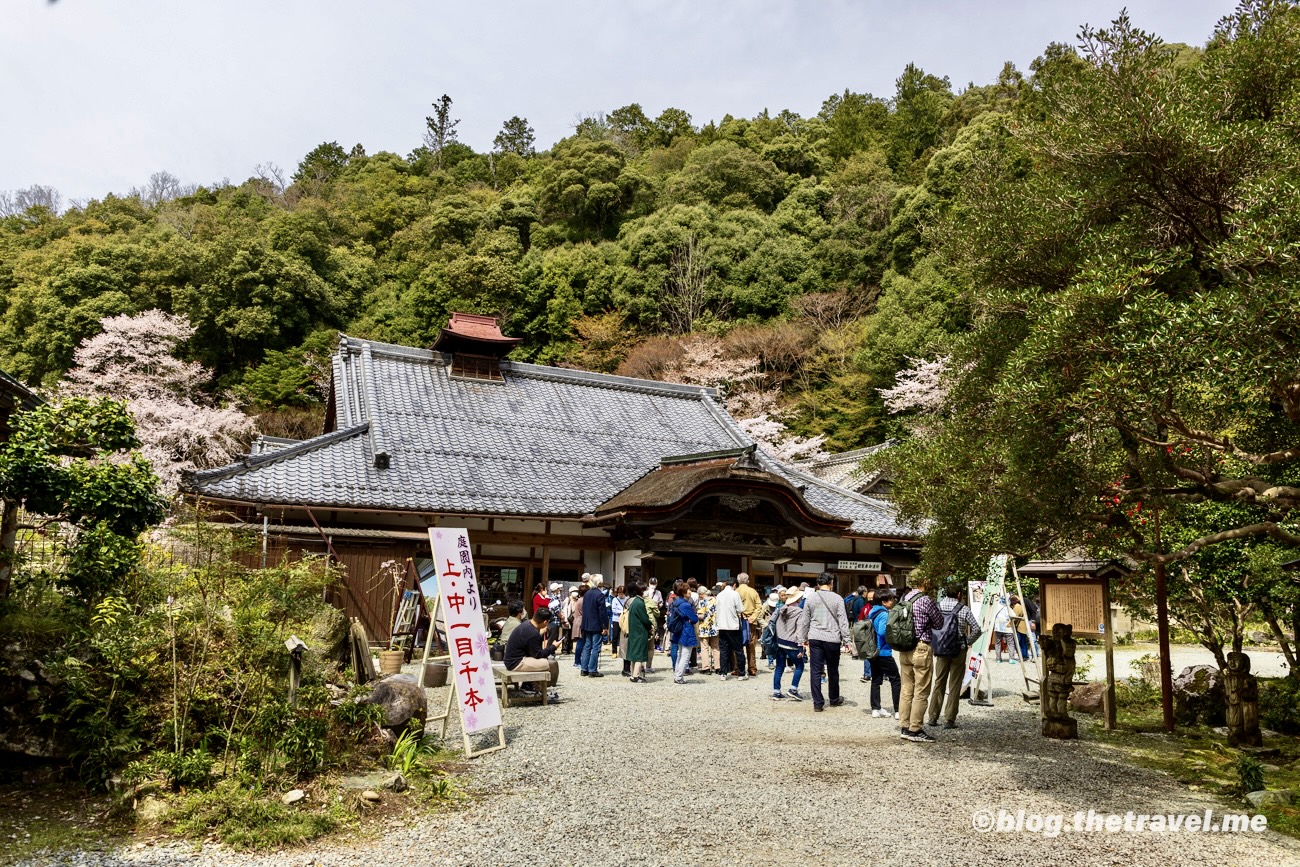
x=1288 y=649
x=8 y=545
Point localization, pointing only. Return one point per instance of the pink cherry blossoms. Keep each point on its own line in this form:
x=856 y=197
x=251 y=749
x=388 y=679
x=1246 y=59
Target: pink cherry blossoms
x=132 y=360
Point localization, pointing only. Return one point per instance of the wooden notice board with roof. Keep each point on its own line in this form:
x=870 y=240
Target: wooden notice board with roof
x=1077 y=593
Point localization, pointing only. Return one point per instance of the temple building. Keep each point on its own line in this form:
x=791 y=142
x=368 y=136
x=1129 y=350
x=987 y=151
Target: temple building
x=555 y=472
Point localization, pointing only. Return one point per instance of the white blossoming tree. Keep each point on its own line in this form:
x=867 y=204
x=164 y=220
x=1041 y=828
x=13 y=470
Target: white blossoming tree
x=133 y=360
x=750 y=399
x=921 y=388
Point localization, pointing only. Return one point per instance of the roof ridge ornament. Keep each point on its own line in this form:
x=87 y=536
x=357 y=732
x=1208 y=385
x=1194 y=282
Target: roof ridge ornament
x=744 y=456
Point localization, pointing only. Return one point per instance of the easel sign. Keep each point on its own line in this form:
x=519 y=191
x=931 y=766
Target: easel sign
x=471 y=665
x=978 y=678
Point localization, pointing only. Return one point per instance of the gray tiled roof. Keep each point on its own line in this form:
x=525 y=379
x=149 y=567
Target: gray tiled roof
x=845 y=468
x=546 y=441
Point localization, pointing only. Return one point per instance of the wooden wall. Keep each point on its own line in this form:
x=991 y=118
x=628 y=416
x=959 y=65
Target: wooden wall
x=369 y=592
x=365 y=594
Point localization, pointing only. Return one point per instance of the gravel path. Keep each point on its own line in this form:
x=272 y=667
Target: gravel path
x=718 y=773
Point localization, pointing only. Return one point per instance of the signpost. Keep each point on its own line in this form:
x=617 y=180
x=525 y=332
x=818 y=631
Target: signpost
x=474 y=686
x=990 y=589
x=1081 y=599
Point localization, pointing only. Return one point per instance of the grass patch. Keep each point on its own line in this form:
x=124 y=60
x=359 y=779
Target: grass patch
x=1201 y=759
x=37 y=822
x=249 y=820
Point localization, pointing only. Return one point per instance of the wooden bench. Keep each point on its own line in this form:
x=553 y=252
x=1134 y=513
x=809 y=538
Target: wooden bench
x=506 y=679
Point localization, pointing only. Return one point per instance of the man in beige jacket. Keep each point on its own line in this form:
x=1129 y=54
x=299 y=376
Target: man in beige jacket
x=752 y=612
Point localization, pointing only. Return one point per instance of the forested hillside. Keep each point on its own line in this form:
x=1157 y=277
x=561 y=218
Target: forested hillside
x=799 y=242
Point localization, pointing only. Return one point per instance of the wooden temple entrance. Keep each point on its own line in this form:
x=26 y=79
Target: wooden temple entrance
x=711 y=516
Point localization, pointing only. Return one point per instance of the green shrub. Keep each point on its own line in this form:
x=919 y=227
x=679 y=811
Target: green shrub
x=1250 y=774
x=1279 y=704
x=1136 y=693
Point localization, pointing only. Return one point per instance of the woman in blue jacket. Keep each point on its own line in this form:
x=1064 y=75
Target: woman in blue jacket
x=883 y=666
x=685 y=636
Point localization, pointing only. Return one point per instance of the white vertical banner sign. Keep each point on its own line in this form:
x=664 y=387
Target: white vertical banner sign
x=985 y=608
x=467 y=640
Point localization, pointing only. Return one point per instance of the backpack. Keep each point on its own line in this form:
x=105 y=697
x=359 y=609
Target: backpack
x=768 y=638
x=674 y=618
x=899 y=633
x=947 y=639
x=864 y=638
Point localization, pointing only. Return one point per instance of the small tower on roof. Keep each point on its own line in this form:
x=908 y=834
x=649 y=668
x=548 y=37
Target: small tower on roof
x=476 y=346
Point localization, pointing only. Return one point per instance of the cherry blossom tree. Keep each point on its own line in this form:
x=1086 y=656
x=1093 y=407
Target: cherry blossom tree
x=750 y=398
x=180 y=429
x=919 y=386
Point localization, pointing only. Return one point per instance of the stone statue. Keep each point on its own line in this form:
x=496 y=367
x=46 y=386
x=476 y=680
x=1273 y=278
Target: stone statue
x=1058 y=683
x=1241 y=688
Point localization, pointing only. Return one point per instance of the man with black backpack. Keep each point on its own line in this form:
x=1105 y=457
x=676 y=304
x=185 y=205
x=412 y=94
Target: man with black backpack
x=949 y=643
x=909 y=631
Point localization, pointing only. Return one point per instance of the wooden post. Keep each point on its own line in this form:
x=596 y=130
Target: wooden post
x=1108 y=697
x=8 y=544
x=1162 y=629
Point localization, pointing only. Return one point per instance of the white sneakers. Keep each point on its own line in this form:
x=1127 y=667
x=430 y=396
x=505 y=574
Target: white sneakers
x=880 y=713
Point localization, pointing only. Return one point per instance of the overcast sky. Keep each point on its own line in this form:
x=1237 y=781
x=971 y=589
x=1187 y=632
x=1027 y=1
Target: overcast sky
x=95 y=95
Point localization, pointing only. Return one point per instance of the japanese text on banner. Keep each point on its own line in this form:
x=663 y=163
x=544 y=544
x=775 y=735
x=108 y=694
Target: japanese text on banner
x=467 y=639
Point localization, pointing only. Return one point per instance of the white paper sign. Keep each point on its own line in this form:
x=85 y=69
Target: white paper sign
x=860 y=565
x=989 y=590
x=471 y=665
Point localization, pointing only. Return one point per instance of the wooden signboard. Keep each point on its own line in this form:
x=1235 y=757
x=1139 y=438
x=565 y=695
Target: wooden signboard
x=1079 y=603
x=1083 y=602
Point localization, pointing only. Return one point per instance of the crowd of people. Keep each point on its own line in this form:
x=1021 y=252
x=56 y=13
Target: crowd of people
x=907 y=639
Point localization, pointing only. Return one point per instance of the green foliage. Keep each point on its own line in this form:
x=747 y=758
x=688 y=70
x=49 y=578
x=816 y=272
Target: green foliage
x=66 y=461
x=412 y=752
x=1136 y=693
x=1279 y=704
x=183 y=678
x=249 y=820
x=1127 y=270
x=1250 y=774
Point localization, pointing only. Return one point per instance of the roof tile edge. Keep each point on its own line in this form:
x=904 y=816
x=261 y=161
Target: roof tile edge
x=532 y=371
x=249 y=462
